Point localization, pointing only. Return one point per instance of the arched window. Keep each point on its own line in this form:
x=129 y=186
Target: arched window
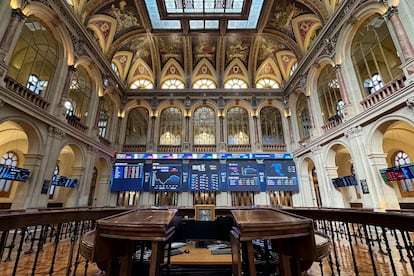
x=141 y=84
x=137 y=127
x=172 y=84
x=267 y=83
x=235 y=84
x=204 y=84
x=406 y=185
x=271 y=125
x=374 y=55
x=8 y=159
x=204 y=126
x=80 y=93
x=303 y=117
x=35 y=57
x=170 y=127
x=238 y=126
x=328 y=93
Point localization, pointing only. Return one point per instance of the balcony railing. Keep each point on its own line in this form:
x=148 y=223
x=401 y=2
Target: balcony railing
x=169 y=148
x=204 y=148
x=75 y=122
x=104 y=141
x=334 y=121
x=377 y=243
x=386 y=91
x=46 y=242
x=274 y=148
x=239 y=148
x=25 y=93
x=134 y=148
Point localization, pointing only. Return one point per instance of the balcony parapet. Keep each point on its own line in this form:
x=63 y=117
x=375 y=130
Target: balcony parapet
x=134 y=148
x=104 y=141
x=383 y=93
x=25 y=93
x=239 y=148
x=274 y=148
x=204 y=148
x=169 y=148
x=333 y=122
x=75 y=122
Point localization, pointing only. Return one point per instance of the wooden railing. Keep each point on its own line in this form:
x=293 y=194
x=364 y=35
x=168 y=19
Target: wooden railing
x=377 y=243
x=25 y=93
x=381 y=240
x=26 y=236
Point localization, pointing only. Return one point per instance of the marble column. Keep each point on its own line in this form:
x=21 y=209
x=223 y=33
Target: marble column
x=7 y=40
x=404 y=42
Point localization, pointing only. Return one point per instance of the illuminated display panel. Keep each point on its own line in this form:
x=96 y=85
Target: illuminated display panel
x=280 y=175
x=204 y=175
x=166 y=176
x=14 y=173
x=127 y=176
x=243 y=175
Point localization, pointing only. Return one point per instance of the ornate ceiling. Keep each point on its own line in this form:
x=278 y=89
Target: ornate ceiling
x=141 y=38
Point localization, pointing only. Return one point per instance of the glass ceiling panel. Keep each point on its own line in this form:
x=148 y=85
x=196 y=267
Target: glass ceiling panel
x=250 y=23
x=204 y=6
x=156 y=21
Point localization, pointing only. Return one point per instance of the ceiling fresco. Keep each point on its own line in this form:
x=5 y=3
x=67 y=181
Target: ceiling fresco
x=126 y=34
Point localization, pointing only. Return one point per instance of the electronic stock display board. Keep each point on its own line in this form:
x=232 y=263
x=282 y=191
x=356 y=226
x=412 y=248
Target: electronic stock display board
x=127 y=176
x=166 y=176
x=209 y=172
x=204 y=175
x=280 y=175
x=243 y=175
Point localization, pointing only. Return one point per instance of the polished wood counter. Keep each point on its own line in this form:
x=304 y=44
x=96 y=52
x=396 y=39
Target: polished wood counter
x=292 y=235
x=114 y=234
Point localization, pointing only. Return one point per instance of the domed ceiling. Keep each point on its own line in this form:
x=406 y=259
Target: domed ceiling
x=142 y=37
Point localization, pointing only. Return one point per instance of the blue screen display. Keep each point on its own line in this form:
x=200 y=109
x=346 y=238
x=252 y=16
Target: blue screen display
x=280 y=175
x=204 y=175
x=243 y=175
x=166 y=176
x=127 y=176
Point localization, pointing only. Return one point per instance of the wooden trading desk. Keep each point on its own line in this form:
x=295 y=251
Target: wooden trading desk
x=199 y=256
